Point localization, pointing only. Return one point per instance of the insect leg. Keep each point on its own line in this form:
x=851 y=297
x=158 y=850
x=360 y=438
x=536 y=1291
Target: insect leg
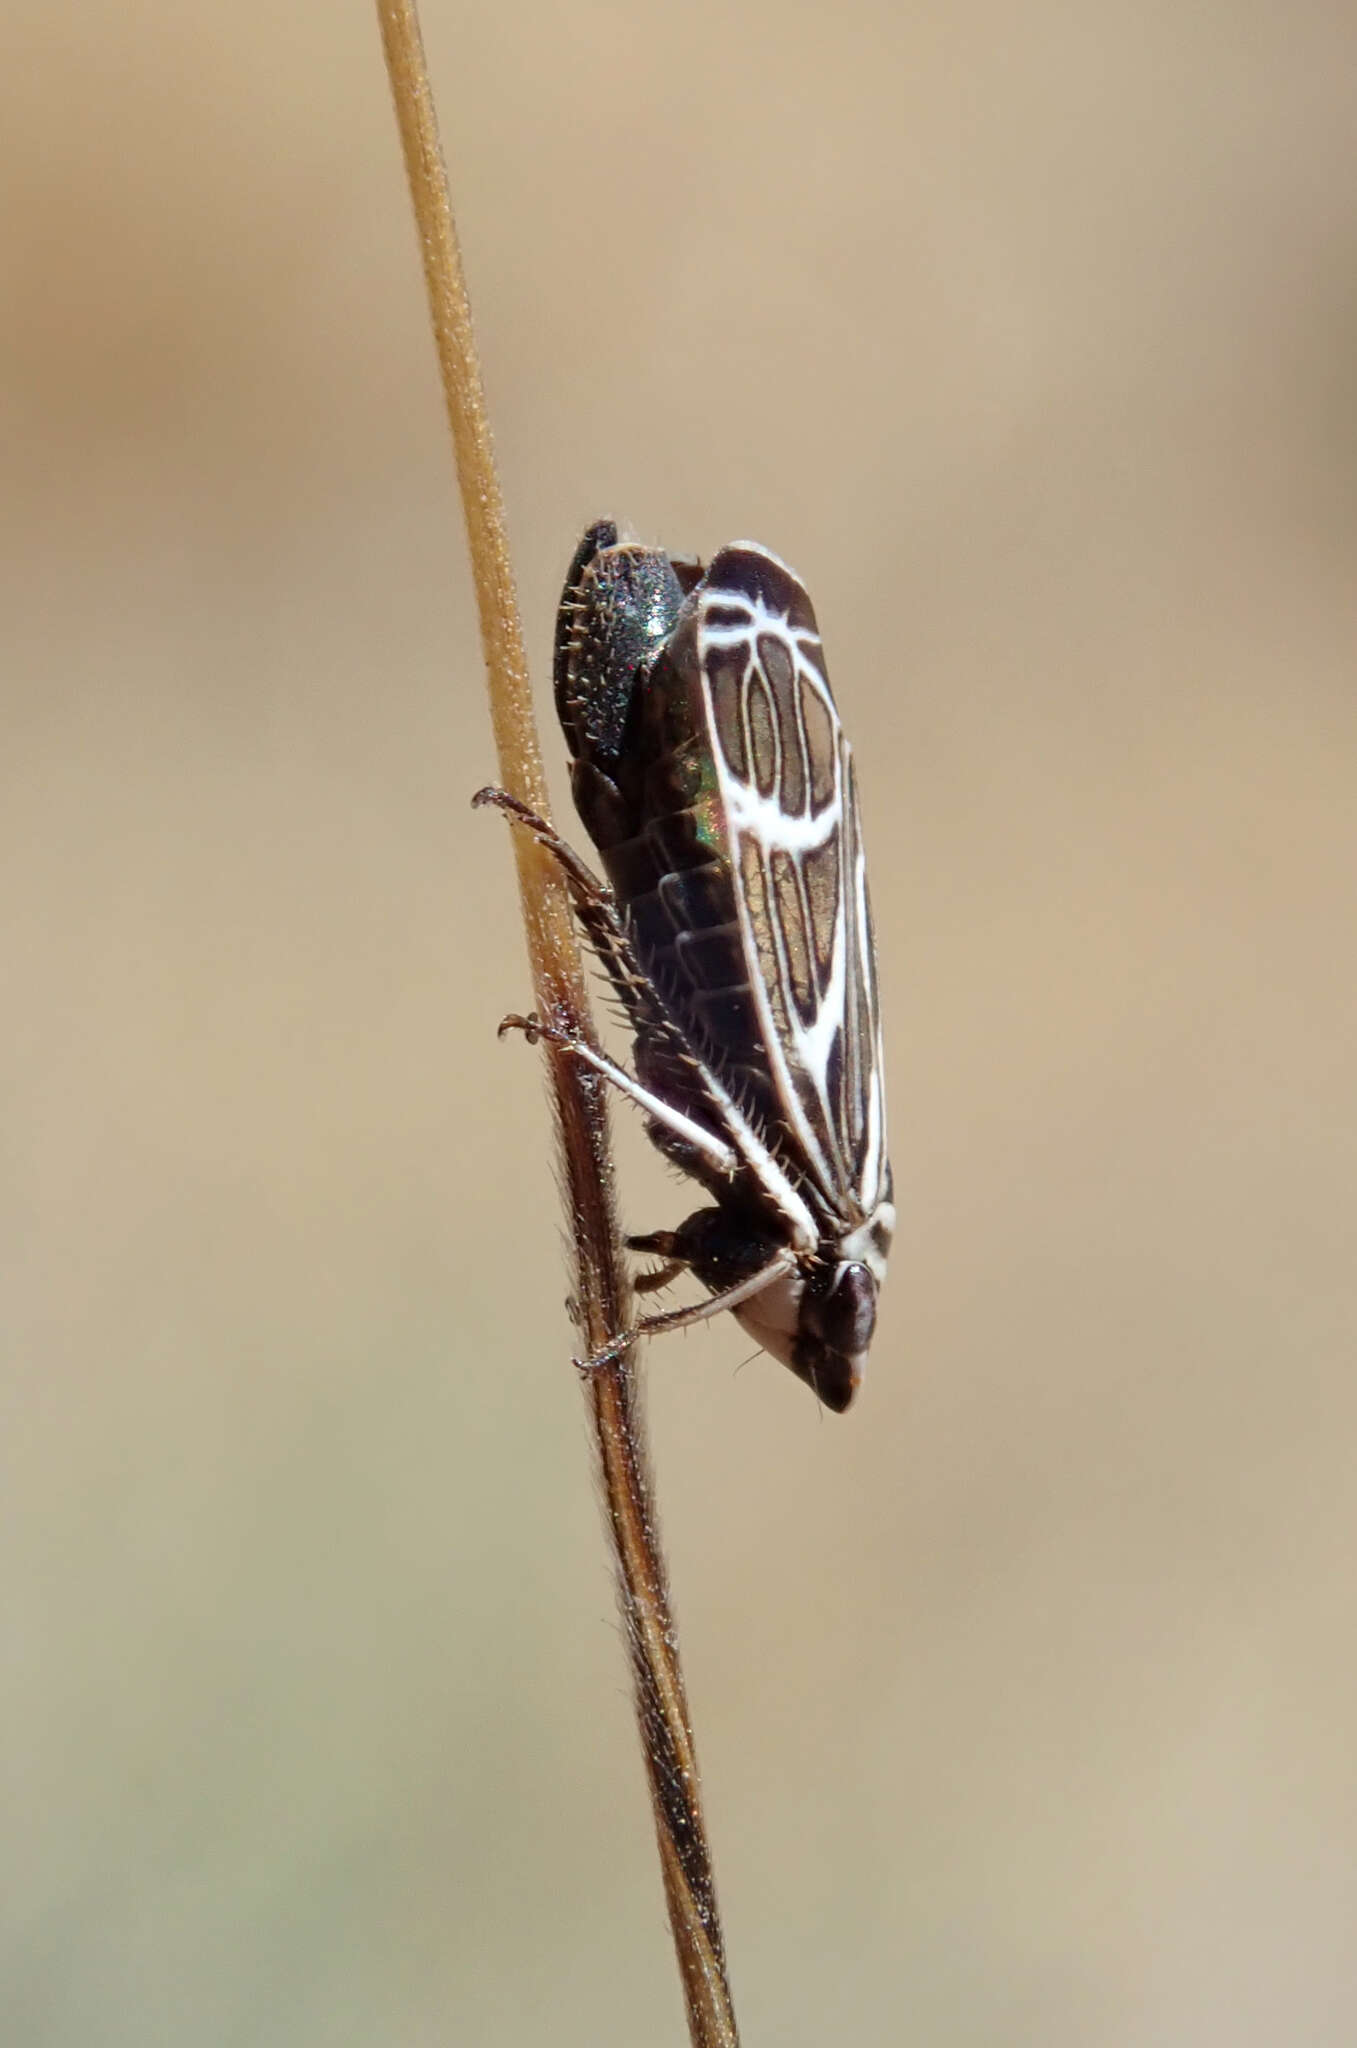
x=711 y=1148
x=597 y=913
x=596 y=910
x=683 y=1318
x=584 y=883
x=654 y=1283
x=664 y=1244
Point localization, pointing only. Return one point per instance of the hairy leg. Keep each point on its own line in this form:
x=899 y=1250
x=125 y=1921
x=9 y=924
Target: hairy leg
x=684 y=1318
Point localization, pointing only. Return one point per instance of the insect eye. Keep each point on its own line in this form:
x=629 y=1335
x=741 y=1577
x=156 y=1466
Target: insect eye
x=840 y=1305
x=853 y=1303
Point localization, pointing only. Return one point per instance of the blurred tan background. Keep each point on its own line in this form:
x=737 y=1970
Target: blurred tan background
x=1026 y=1694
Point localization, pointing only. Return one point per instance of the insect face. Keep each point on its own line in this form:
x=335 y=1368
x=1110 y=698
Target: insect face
x=820 y=1324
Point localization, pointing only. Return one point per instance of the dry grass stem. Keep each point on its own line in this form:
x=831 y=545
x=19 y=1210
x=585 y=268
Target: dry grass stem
x=602 y=1286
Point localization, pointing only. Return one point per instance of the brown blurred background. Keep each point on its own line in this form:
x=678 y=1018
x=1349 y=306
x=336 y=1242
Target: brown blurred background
x=1026 y=1694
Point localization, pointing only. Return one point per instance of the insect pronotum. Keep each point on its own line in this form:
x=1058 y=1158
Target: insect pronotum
x=712 y=773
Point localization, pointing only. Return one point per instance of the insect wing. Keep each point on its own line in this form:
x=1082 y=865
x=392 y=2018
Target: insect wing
x=785 y=777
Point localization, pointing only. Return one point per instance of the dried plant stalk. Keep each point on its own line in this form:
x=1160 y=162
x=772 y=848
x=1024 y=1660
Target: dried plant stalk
x=603 y=1289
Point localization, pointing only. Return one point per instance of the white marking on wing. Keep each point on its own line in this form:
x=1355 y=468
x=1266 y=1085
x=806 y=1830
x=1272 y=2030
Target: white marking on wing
x=766 y=821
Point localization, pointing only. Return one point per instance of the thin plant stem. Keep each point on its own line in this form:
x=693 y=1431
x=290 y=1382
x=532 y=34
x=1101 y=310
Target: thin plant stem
x=602 y=1286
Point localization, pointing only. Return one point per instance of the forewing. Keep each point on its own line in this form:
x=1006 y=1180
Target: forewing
x=785 y=777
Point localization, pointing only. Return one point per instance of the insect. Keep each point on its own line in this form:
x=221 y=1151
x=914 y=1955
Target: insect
x=712 y=774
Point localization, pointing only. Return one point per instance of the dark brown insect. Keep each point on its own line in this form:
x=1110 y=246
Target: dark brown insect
x=711 y=770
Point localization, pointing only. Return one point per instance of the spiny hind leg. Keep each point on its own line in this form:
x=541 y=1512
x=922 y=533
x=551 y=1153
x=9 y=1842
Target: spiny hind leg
x=595 y=906
x=710 y=1147
x=584 y=884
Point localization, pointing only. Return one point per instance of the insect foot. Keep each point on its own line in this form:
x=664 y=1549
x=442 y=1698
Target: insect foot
x=538 y=1033
x=492 y=797
x=530 y=1026
x=610 y=1354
